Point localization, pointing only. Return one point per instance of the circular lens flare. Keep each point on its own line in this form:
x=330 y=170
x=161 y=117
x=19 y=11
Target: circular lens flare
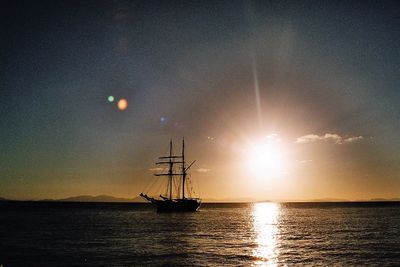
x=122 y=104
x=110 y=99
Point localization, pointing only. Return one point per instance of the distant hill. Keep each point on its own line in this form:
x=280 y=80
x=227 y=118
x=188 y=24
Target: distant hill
x=4 y=199
x=385 y=199
x=328 y=200
x=100 y=198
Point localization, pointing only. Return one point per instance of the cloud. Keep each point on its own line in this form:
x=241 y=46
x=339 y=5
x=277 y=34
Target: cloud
x=157 y=169
x=304 y=161
x=353 y=139
x=273 y=137
x=337 y=139
x=203 y=170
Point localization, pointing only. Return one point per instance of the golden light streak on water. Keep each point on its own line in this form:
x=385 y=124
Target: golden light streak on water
x=265 y=227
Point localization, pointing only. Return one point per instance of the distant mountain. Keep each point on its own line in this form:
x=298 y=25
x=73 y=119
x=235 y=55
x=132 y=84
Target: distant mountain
x=228 y=200
x=4 y=199
x=385 y=199
x=328 y=200
x=100 y=198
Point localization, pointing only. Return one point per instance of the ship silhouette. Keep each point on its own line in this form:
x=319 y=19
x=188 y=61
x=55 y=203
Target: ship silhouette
x=176 y=171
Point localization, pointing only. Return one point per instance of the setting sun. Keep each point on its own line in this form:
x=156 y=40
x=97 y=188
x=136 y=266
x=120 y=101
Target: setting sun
x=265 y=158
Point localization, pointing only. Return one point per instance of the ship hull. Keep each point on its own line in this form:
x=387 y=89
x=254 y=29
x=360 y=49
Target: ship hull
x=179 y=205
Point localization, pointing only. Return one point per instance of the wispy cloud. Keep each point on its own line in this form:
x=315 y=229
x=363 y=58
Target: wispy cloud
x=273 y=138
x=304 y=161
x=353 y=139
x=337 y=139
x=203 y=170
x=157 y=169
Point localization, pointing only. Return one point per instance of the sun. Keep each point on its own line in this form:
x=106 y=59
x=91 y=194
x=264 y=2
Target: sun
x=266 y=158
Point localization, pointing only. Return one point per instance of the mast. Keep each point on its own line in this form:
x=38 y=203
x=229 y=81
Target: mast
x=170 y=160
x=170 y=170
x=183 y=168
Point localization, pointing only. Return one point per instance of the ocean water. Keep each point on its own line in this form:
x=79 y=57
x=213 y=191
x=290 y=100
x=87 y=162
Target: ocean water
x=259 y=234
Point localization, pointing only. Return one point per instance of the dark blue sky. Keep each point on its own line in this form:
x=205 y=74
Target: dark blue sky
x=322 y=66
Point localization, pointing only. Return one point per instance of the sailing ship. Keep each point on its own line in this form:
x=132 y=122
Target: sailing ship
x=178 y=200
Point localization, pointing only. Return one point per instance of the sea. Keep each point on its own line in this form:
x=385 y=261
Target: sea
x=236 y=234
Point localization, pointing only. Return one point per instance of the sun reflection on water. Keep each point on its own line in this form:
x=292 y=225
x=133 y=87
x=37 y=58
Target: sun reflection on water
x=265 y=220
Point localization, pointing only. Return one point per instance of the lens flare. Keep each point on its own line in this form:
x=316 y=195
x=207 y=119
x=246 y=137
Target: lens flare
x=122 y=104
x=110 y=99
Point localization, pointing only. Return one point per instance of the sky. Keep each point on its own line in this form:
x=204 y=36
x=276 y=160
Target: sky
x=277 y=100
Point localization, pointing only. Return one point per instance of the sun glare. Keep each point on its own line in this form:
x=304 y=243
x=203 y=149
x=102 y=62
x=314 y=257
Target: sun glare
x=265 y=158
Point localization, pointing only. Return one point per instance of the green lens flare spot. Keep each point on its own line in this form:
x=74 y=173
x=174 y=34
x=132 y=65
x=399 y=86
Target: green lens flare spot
x=110 y=99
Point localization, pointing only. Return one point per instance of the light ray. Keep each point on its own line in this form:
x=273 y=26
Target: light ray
x=256 y=89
